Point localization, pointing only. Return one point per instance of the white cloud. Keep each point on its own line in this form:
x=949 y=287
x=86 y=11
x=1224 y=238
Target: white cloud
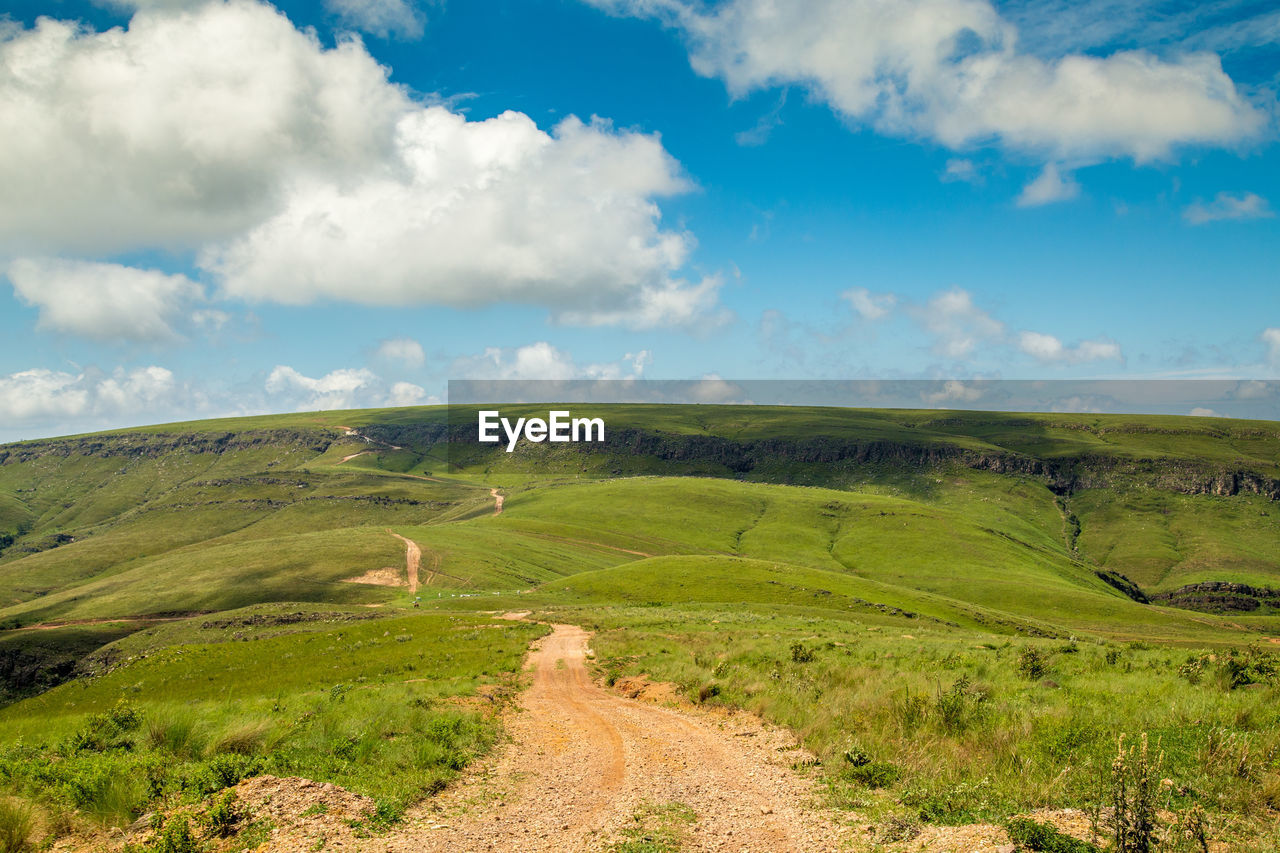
x=953 y=391
x=1049 y=186
x=1228 y=206
x=1048 y=349
x=407 y=394
x=382 y=18
x=346 y=388
x=483 y=212
x=104 y=301
x=541 y=360
x=41 y=396
x=301 y=174
x=188 y=125
x=960 y=169
x=956 y=324
x=1271 y=337
x=1090 y=404
x=949 y=70
x=868 y=305
x=1200 y=412
x=404 y=350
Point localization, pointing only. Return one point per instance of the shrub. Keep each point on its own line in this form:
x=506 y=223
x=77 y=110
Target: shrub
x=222 y=816
x=176 y=837
x=960 y=707
x=109 y=730
x=800 y=654
x=708 y=691
x=1034 y=835
x=1033 y=665
x=873 y=774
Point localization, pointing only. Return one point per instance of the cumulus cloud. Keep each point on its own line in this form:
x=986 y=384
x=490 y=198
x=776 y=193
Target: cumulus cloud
x=382 y=18
x=541 y=360
x=1201 y=412
x=956 y=324
x=952 y=391
x=1048 y=349
x=408 y=394
x=1049 y=186
x=1271 y=337
x=950 y=71
x=485 y=211
x=1228 y=206
x=868 y=305
x=403 y=350
x=106 y=302
x=301 y=174
x=188 y=125
x=43 y=397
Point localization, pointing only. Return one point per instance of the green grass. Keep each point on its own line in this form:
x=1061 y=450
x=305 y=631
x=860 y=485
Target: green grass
x=942 y=725
x=379 y=706
x=870 y=579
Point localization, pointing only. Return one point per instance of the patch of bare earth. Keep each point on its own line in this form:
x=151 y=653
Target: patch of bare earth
x=583 y=760
x=379 y=577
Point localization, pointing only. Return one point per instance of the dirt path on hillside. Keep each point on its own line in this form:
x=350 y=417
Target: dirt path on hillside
x=412 y=557
x=498 y=498
x=354 y=455
x=583 y=760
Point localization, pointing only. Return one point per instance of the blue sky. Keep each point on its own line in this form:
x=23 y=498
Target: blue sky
x=213 y=208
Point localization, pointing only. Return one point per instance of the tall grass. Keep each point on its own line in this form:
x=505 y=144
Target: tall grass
x=947 y=726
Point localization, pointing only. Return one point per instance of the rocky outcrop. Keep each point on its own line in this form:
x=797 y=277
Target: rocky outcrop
x=1220 y=597
x=154 y=445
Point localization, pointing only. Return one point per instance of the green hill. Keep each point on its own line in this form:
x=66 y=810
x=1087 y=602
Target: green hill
x=213 y=573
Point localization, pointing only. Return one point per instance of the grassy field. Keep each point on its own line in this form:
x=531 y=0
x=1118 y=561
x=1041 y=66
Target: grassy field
x=950 y=609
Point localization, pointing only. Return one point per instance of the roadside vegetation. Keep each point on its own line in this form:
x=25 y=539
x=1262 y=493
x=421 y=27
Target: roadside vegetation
x=913 y=724
x=966 y=617
x=391 y=708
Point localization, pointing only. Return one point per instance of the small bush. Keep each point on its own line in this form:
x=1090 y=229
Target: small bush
x=873 y=774
x=800 y=654
x=1033 y=665
x=960 y=707
x=1033 y=835
x=708 y=691
x=176 y=837
x=222 y=816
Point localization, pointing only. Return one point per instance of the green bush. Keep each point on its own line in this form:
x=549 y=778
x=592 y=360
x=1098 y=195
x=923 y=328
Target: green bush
x=800 y=654
x=873 y=774
x=177 y=837
x=1033 y=835
x=222 y=816
x=1033 y=665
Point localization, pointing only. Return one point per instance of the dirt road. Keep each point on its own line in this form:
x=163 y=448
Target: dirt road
x=412 y=557
x=584 y=760
x=498 y=498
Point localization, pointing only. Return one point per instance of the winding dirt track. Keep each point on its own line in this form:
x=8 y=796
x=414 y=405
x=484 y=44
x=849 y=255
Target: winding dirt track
x=498 y=498
x=584 y=760
x=412 y=557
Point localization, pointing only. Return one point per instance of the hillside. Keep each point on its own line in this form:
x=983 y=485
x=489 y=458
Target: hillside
x=703 y=544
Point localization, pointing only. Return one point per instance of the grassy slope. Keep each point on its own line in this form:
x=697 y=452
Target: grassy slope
x=899 y=572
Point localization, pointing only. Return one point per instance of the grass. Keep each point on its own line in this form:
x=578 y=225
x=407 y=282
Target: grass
x=944 y=725
x=914 y=593
x=352 y=704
